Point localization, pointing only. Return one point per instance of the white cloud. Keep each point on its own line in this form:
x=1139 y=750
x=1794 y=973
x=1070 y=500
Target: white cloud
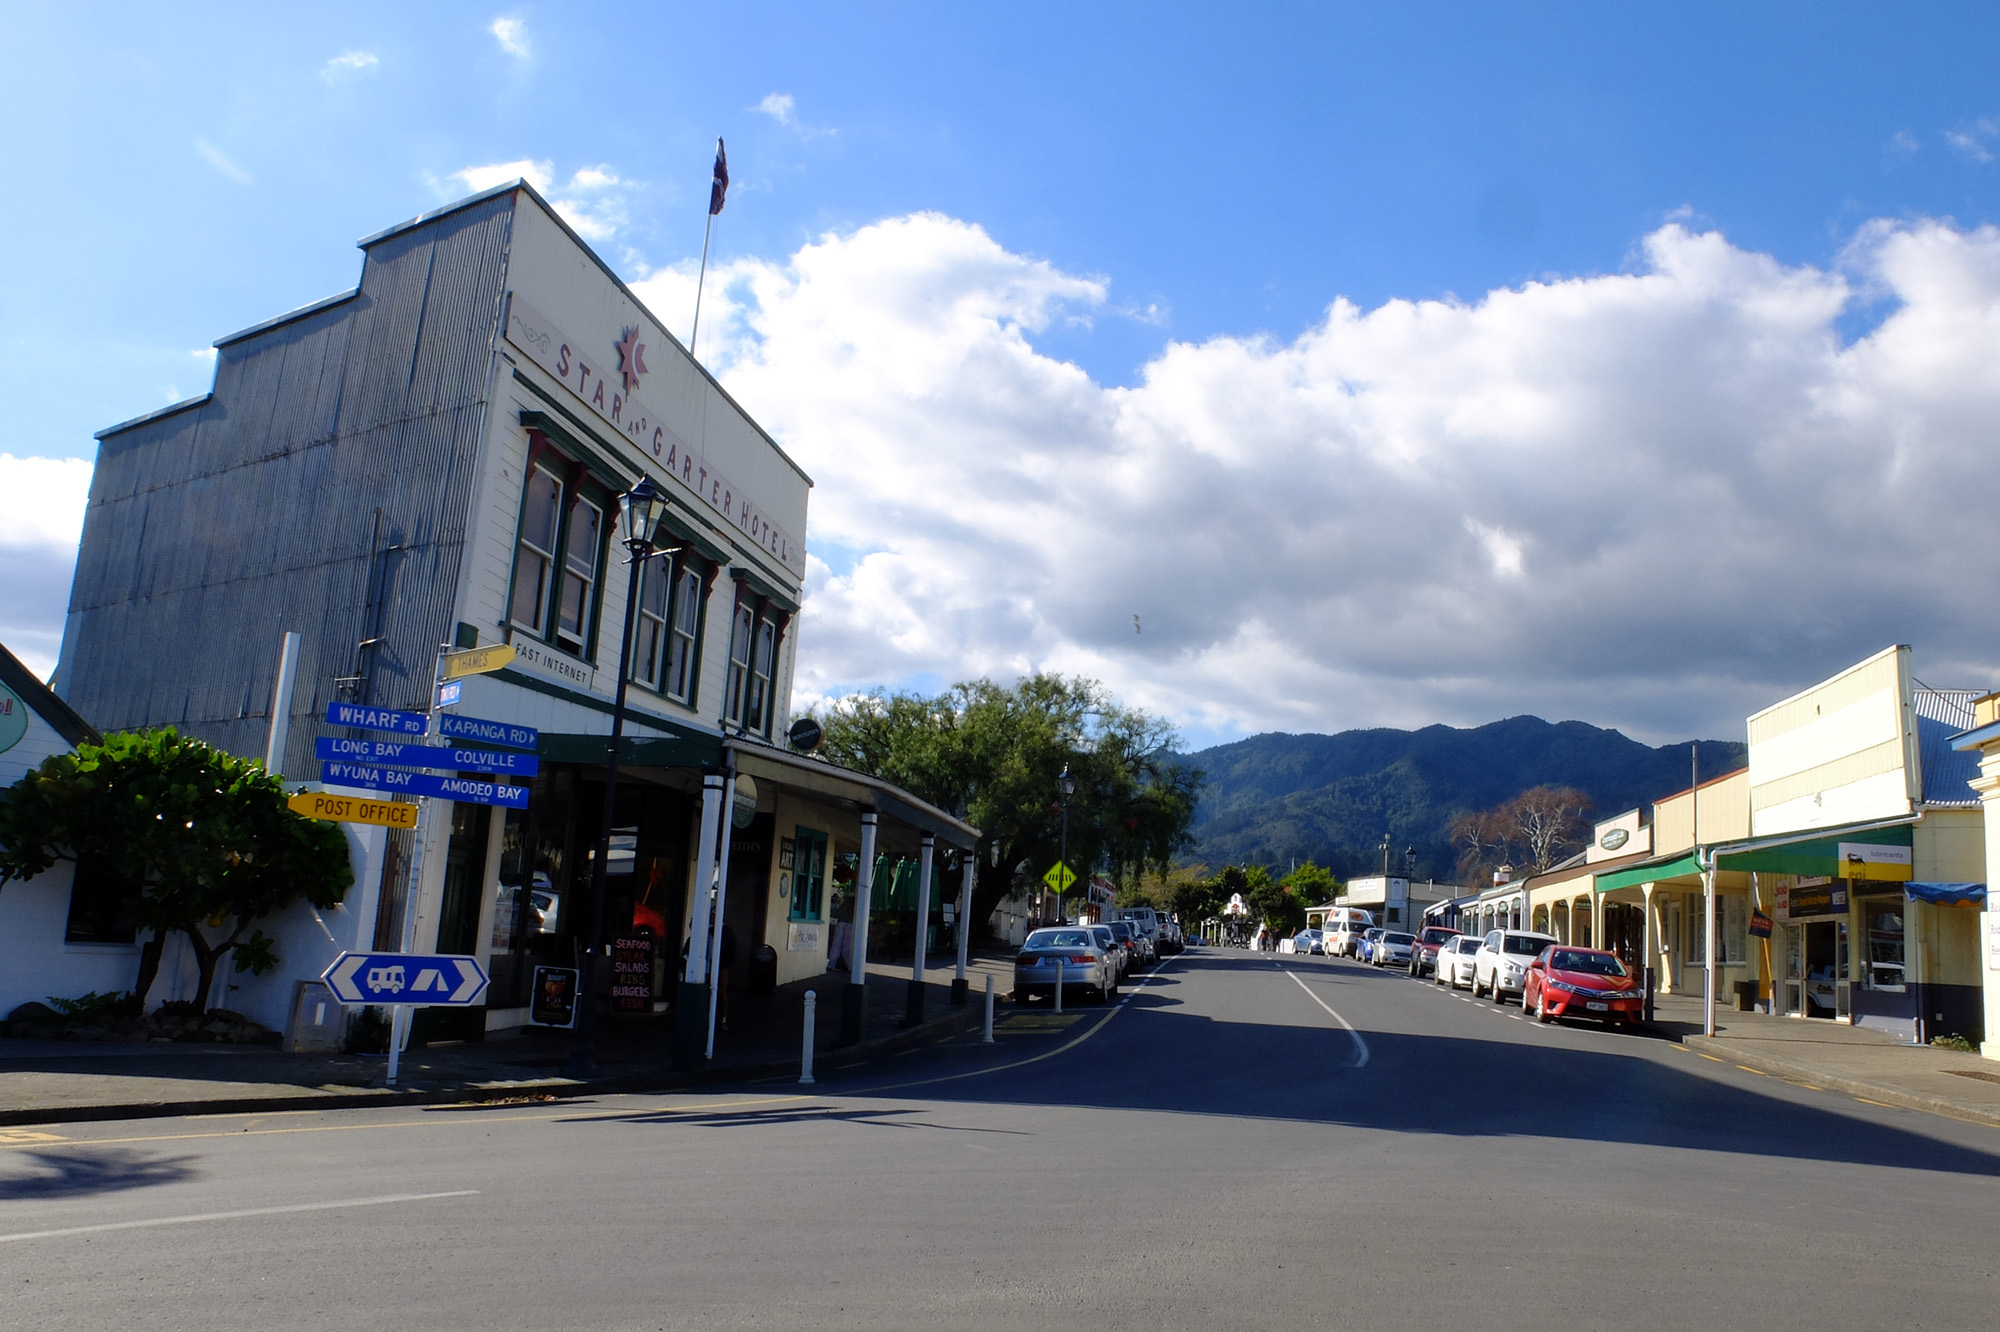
x=477 y=178
x=1905 y=143
x=41 y=520
x=1972 y=139
x=783 y=108
x=214 y=157
x=1657 y=499
x=594 y=220
x=512 y=34
x=348 y=62
x=594 y=178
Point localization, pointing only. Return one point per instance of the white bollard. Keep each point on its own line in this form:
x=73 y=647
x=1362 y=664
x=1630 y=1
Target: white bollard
x=1059 y=971
x=806 y=1056
x=989 y=1009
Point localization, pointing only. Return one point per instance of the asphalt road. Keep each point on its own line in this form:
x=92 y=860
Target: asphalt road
x=1249 y=1141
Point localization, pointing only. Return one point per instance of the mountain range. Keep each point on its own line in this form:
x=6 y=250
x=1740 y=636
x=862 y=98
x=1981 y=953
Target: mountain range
x=1274 y=799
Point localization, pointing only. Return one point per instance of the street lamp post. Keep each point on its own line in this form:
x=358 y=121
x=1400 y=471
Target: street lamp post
x=1067 y=785
x=643 y=508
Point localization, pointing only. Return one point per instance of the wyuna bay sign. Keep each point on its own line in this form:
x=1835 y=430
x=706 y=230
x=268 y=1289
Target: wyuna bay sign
x=594 y=377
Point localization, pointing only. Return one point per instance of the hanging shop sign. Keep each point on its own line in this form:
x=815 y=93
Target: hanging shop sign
x=445 y=758
x=1869 y=862
x=470 y=789
x=1813 y=897
x=1760 y=925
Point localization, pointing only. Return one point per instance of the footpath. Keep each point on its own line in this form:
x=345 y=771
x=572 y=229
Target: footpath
x=1864 y=1063
x=44 y=1082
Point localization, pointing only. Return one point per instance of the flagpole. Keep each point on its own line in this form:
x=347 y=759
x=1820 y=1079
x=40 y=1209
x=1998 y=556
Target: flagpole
x=695 y=332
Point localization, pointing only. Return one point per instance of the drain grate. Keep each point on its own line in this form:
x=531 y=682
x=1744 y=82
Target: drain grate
x=1969 y=1073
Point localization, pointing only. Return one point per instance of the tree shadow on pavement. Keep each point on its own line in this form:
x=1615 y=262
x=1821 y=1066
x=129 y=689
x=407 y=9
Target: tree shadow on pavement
x=72 y=1175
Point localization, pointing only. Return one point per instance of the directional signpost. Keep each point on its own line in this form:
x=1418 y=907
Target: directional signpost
x=407 y=979
x=353 y=809
x=444 y=758
x=377 y=719
x=404 y=782
x=477 y=661
x=454 y=727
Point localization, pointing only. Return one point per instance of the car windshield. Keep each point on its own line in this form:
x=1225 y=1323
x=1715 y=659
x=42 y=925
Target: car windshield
x=1595 y=964
x=1372 y=934
x=1120 y=929
x=1438 y=936
x=1058 y=939
x=1103 y=936
x=1527 y=945
x=1399 y=938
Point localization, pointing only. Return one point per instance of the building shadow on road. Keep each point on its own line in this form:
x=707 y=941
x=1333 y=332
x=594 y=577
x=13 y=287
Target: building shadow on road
x=1164 y=1056
x=51 y=1175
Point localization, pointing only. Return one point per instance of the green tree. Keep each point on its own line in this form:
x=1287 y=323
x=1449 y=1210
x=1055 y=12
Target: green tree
x=205 y=839
x=991 y=754
x=1312 y=884
x=1273 y=903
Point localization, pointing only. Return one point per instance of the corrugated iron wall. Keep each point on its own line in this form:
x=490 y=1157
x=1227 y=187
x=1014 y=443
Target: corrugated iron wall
x=324 y=488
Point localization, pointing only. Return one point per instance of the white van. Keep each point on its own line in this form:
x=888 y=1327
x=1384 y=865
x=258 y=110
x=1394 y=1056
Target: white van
x=1147 y=922
x=1344 y=927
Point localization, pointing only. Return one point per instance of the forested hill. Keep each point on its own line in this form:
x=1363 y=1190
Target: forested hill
x=1275 y=798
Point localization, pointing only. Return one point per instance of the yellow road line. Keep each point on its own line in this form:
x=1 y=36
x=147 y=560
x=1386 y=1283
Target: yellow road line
x=1884 y=1104
x=1713 y=1059
x=1758 y=1071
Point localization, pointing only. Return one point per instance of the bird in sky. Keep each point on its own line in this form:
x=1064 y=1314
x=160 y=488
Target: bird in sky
x=1135 y=626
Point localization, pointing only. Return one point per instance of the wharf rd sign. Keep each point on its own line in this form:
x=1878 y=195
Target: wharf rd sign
x=402 y=782
x=353 y=809
x=377 y=719
x=454 y=727
x=477 y=661
x=444 y=758
x=406 y=978
x=598 y=386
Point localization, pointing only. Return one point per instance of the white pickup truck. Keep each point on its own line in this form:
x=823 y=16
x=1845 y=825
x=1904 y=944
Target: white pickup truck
x=1157 y=929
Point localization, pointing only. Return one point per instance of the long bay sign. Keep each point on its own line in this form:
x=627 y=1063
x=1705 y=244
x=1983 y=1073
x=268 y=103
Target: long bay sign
x=607 y=388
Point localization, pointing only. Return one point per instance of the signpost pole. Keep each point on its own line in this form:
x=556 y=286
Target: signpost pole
x=403 y=1015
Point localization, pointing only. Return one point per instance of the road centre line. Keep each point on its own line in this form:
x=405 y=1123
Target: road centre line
x=1360 y=1046
x=236 y=1215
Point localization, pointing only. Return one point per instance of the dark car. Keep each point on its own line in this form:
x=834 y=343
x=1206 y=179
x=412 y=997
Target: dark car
x=1424 y=955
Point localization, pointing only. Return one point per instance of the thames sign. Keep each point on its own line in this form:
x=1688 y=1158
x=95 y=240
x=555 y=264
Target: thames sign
x=406 y=978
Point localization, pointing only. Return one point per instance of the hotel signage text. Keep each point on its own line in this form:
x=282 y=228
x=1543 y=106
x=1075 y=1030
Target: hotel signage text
x=601 y=388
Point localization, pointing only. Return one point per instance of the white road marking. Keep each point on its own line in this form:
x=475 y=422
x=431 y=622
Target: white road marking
x=1360 y=1046
x=231 y=1216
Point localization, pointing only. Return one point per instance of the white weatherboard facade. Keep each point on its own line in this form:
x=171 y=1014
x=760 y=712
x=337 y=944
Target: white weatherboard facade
x=1844 y=751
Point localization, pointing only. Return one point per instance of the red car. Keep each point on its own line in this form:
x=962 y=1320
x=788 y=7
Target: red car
x=1581 y=982
x=1424 y=953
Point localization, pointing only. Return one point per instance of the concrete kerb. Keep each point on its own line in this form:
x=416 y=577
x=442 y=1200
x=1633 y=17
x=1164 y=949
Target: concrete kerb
x=1873 y=1091
x=487 y=1094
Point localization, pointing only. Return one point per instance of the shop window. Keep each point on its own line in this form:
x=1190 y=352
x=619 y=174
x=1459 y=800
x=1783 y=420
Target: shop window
x=1882 y=920
x=1735 y=929
x=808 y=874
x=1694 y=930
x=559 y=554
x=97 y=898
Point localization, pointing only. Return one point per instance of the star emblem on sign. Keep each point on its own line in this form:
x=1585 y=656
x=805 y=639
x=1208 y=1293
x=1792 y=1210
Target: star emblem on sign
x=631 y=358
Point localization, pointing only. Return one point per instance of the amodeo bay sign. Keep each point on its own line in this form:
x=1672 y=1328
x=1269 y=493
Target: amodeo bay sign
x=607 y=380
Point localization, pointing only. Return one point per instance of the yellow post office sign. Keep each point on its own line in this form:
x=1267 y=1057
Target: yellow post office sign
x=477 y=661
x=354 y=809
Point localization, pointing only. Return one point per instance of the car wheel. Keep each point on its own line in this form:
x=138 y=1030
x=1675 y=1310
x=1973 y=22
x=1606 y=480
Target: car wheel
x=1541 y=1006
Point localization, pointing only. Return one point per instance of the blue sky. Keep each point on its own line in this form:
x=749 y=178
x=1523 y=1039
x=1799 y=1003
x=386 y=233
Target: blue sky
x=1219 y=173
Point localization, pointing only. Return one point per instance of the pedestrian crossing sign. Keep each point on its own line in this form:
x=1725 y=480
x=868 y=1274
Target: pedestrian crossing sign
x=1059 y=877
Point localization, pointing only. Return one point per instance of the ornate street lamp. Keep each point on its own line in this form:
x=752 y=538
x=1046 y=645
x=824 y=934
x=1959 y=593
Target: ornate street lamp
x=643 y=508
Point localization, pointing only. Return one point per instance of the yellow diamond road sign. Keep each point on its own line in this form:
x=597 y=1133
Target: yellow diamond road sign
x=477 y=661
x=1059 y=877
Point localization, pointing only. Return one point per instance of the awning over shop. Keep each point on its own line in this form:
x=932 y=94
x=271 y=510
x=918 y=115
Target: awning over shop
x=1947 y=894
x=1672 y=868
x=769 y=763
x=1820 y=856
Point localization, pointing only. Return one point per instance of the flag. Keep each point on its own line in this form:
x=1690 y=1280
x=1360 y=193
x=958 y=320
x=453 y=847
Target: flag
x=720 y=185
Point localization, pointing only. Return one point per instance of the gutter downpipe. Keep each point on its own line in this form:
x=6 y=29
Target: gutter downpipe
x=1704 y=857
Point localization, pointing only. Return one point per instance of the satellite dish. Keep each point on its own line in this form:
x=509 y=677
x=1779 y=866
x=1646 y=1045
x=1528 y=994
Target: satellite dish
x=805 y=735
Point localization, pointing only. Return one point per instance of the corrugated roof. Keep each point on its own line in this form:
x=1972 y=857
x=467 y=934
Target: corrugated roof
x=1941 y=715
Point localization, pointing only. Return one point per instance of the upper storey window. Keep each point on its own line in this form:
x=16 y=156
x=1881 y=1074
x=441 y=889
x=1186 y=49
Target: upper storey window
x=559 y=555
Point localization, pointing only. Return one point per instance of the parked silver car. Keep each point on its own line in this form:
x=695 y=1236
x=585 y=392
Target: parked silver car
x=1071 y=952
x=1391 y=948
x=1107 y=939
